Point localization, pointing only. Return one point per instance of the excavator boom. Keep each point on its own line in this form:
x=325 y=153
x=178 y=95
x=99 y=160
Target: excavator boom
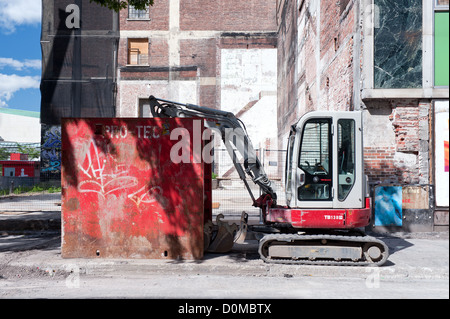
x=234 y=136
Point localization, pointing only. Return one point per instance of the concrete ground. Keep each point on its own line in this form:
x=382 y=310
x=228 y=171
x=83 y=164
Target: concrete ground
x=31 y=267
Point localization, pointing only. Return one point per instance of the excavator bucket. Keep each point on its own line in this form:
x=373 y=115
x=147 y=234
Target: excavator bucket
x=221 y=237
x=240 y=236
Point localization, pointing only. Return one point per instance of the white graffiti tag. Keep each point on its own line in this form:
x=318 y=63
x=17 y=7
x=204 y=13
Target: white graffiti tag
x=99 y=181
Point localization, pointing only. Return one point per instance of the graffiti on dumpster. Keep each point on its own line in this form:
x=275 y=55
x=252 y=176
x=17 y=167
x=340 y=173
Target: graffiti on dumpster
x=124 y=196
x=103 y=177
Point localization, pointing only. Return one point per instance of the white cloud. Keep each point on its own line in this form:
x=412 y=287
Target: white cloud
x=9 y=84
x=19 y=12
x=20 y=65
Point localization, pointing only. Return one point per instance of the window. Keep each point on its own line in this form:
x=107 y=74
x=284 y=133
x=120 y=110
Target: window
x=138 y=51
x=346 y=157
x=134 y=14
x=398 y=44
x=315 y=160
x=144 y=108
x=288 y=169
x=441 y=43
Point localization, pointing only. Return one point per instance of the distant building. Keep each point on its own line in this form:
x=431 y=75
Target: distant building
x=19 y=166
x=20 y=126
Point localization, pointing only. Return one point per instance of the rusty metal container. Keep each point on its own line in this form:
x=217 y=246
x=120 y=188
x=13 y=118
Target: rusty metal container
x=123 y=195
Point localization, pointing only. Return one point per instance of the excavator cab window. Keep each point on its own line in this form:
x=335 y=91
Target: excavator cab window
x=346 y=157
x=316 y=160
x=288 y=172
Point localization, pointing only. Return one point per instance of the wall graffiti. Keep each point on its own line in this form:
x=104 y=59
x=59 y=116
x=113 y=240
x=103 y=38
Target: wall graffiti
x=51 y=151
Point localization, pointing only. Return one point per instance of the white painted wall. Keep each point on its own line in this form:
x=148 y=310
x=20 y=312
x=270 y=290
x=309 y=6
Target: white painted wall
x=132 y=91
x=249 y=75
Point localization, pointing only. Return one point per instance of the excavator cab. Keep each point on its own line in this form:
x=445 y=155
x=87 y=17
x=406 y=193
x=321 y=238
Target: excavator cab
x=326 y=195
x=324 y=164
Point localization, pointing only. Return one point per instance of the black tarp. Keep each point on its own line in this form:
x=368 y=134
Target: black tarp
x=79 y=70
x=79 y=41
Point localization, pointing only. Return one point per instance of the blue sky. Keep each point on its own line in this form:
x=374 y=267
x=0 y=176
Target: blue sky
x=20 y=54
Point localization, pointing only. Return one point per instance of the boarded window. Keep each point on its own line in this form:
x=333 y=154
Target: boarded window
x=138 y=51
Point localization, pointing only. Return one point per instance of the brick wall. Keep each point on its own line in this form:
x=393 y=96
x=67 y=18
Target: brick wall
x=315 y=58
x=158 y=18
x=228 y=15
x=397 y=142
x=319 y=63
x=287 y=56
x=190 y=34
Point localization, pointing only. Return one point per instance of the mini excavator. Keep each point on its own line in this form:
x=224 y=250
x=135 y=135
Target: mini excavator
x=327 y=192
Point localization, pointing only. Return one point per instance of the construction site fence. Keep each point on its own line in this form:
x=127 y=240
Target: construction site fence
x=230 y=197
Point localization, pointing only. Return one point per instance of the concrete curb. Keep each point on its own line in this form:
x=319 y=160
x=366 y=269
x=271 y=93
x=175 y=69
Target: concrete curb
x=30 y=221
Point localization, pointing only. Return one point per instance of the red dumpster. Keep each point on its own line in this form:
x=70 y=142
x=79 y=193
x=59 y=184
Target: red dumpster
x=133 y=188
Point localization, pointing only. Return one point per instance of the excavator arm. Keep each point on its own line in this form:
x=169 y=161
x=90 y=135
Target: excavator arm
x=235 y=137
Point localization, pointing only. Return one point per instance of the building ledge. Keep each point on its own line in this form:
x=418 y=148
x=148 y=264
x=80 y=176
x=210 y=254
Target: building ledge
x=144 y=68
x=430 y=93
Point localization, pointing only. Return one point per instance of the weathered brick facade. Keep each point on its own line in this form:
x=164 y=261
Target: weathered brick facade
x=190 y=44
x=319 y=59
x=326 y=62
x=315 y=58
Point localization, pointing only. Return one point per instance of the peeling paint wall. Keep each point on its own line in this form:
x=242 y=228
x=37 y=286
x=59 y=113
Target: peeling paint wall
x=187 y=43
x=248 y=89
x=397 y=142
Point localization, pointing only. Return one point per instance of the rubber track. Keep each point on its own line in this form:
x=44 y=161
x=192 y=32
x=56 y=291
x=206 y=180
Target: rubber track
x=269 y=239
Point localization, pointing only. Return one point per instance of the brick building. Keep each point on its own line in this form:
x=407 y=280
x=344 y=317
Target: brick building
x=387 y=58
x=220 y=54
x=270 y=62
